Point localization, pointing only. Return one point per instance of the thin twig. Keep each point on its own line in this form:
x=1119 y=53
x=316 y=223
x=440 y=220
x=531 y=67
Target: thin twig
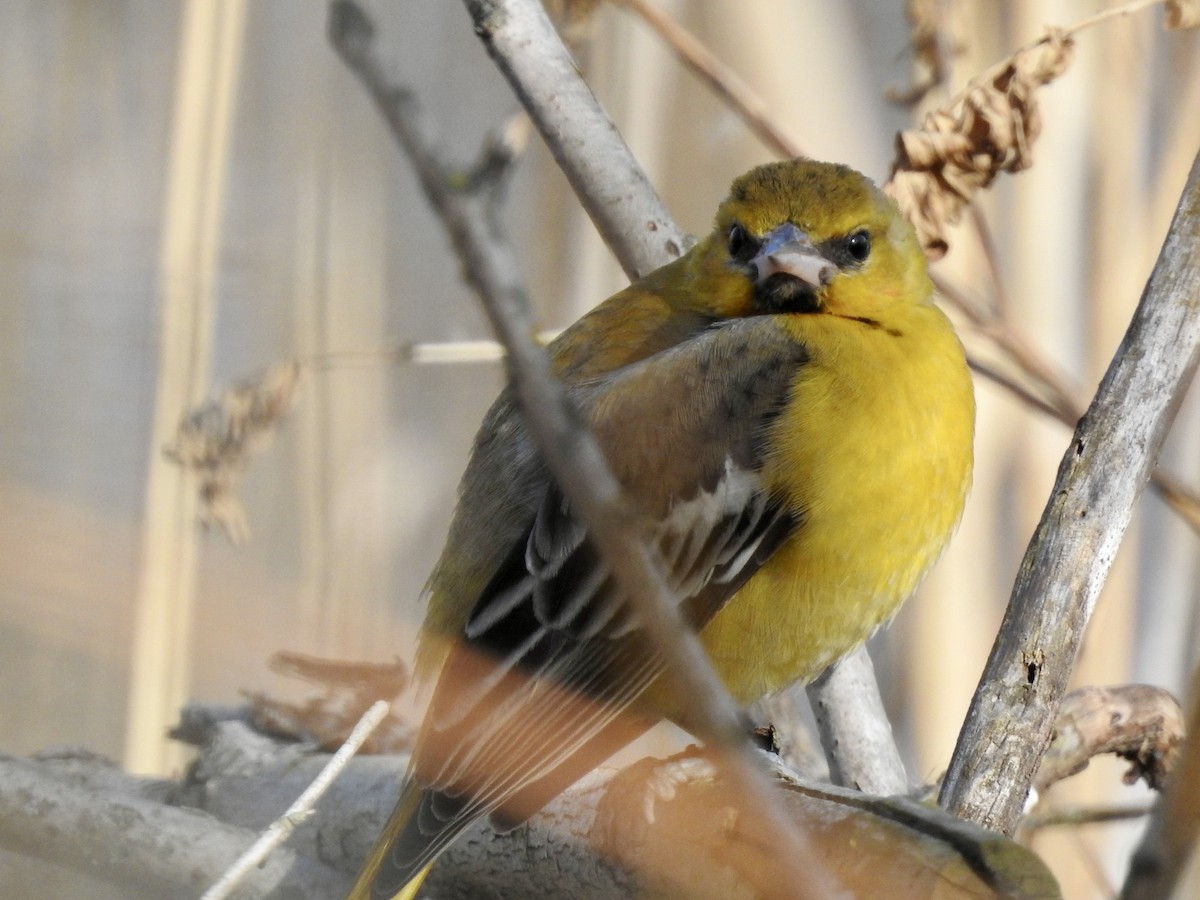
x=1000 y=305
x=1125 y=9
x=571 y=453
x=1053 y=34
x=1013 y=386
x=1072 y=816
x=1057 y=397
x=724 y=82
x=1176 y=495
x=302 y=809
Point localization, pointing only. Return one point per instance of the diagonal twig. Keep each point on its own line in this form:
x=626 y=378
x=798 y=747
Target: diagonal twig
x=571 y=453
x=1101 y=476
x=583 y=140
x=720 y=78
x=300 y=810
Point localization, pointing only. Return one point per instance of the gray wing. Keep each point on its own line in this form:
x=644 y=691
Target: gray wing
x=553 y=653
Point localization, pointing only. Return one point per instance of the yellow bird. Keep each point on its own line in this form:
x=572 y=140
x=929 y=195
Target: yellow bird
x=794 y=419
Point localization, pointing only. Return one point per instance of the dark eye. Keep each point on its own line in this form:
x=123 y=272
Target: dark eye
x=741 y=245
x=858 y=246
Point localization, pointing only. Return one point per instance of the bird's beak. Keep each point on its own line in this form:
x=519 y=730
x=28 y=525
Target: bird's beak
x=787 y=250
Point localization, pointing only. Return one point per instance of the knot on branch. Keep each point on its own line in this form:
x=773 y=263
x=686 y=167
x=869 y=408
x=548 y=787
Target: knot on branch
x=1137 y=722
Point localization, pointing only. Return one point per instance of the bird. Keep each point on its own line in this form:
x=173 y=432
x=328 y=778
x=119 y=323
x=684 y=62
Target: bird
x=792 y=418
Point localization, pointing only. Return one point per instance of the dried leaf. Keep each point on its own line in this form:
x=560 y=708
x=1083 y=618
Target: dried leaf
x=1182 y=14
x=931 y=43
x=986 y=130
x=348 y=689
x=216 y=440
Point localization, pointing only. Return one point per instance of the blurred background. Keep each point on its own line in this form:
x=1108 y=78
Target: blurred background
x=195 y=190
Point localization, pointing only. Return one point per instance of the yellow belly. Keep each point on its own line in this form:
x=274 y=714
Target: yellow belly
x=874 y=456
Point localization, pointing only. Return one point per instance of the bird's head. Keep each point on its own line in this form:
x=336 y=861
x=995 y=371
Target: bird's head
x=810 y=237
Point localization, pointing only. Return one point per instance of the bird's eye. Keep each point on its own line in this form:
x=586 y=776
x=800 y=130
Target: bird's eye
x=858 y=245
x=741 y=245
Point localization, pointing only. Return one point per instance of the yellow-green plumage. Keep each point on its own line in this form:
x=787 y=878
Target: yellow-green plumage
x=879 y=494
x=791 y=369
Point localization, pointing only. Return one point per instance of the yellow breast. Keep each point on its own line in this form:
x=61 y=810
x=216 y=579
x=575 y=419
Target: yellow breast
x=874 y=455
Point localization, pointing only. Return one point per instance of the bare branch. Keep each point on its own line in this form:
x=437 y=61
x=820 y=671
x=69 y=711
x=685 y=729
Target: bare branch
x=596 y=833
x=137 y=843
x=607 y=179
x=855 y=730
x=1101 y=476
x=1138 y=722
x=1169 y=841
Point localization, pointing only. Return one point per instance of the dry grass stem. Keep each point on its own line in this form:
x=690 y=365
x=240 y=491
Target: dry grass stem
x=724 y=82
